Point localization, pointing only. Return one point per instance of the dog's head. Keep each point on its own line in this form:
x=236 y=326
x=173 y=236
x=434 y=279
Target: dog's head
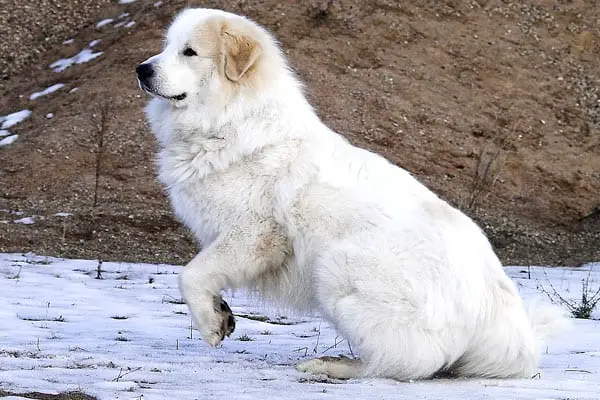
x=206 y=53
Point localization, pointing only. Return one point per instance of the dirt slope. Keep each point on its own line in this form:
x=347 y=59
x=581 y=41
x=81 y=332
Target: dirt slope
x=493 y=104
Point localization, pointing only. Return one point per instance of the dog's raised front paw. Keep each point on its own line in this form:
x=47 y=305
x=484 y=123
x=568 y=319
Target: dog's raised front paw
x=227 y=319
x=218 y=324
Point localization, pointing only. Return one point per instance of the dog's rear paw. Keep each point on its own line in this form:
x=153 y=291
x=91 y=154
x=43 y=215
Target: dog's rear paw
x=334 y=367
x=312 y=366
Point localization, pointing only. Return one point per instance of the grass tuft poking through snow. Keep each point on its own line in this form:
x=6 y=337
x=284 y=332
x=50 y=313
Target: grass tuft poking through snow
x=63 y=330
x=582 y=307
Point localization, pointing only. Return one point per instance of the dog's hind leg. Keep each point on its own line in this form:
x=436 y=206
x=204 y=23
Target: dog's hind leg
x=376 y=309
x=334 y=367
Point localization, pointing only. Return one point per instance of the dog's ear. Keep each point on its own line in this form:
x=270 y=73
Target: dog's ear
x=241 y=53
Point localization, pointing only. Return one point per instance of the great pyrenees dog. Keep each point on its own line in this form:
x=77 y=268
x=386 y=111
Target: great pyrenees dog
x=283 y=205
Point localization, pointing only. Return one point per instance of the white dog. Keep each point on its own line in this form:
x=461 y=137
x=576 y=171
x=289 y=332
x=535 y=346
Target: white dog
x=284 y=205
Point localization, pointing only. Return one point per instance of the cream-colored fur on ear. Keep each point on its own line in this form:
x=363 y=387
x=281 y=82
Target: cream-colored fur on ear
x=241 y=53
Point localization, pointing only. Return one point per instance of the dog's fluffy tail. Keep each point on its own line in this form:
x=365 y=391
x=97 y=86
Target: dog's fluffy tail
x=546 y=320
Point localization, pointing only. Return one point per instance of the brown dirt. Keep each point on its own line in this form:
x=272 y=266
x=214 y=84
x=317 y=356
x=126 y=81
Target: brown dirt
x=34 y=26
x=493 y=104
x=45 y=396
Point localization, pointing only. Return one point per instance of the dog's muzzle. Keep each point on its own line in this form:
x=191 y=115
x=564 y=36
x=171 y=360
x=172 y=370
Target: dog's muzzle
x=145 y=72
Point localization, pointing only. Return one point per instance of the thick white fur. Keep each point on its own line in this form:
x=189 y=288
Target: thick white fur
x=284 y=205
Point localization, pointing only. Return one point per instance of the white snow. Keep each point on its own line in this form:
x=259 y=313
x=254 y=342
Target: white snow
x=24 y=221
x=83 y=56
x=15 y=398
x=74 y=90
x=126 y=336
x=158 y=4
x=129 y=24
x=105 y=21
x=12 y=212
x=14 y=118
x=123 y=15
x=4 y=132
x=68 y=41
x=50 y=115
x=63 y=214
x=46 y=91
x=126 y=1
x=8 y=140
x=94 y=42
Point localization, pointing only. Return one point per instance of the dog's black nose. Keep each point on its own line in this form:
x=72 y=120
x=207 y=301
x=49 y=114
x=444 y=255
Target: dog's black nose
x=144 y=71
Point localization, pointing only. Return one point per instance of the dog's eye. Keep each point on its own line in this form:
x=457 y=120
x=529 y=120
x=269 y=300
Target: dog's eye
x=189 y=52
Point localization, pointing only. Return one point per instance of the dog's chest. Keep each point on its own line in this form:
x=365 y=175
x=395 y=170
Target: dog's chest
x=215 y=203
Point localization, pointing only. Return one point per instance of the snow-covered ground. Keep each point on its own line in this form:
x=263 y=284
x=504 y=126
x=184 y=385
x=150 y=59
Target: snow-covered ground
x=126 y=336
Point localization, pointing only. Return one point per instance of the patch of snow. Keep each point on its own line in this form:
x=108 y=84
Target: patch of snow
x=158 y=4
x=129 y=24
x=126 y=1
x=14 y=118
x=105 y=21
x=50 y=115
x=63 y=214
x=12 y=212
x=83 y=56
x=120 y=24
x=4 y=132
x=46 y=91
x=8 y=140
x=74 y=90
x=94 y=42
x=128 y=336
x=24 y=221
x=123 y=15
x=68 y=41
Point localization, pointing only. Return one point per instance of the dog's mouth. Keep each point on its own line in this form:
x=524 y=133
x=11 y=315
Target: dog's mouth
x=153 y=92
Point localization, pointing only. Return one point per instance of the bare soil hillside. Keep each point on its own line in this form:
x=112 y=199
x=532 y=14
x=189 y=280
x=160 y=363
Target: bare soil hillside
x=493 y=104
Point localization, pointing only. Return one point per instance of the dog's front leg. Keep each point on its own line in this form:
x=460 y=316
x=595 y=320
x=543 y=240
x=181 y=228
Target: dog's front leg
x=232 y=261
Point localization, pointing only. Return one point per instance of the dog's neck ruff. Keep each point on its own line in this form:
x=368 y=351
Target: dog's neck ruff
x=214 y=137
